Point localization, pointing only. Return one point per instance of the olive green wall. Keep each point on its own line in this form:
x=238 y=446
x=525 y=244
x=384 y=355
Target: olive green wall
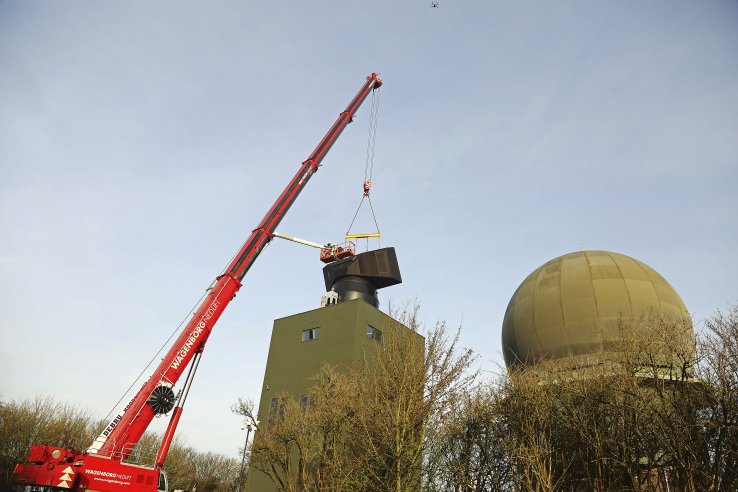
x=291 y=362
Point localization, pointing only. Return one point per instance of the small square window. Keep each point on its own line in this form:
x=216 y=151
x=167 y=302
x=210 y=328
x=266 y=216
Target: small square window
x=310 y=334
x=276 y=410
x=373 y=333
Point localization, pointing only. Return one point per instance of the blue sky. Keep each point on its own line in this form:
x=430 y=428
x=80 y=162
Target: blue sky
x=141 y=141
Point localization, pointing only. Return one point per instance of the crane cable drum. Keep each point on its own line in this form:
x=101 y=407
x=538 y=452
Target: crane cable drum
x=368 y=170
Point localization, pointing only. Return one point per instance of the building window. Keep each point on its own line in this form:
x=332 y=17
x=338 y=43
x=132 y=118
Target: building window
x=276 y=410
x=310 y=334
x=373 y=333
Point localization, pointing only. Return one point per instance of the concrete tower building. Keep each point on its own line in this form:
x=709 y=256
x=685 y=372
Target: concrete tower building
x=336 y=333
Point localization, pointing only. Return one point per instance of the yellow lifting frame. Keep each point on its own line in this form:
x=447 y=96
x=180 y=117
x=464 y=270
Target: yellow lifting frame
x=362 y=236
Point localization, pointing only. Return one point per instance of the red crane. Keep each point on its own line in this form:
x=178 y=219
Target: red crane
x=105 y=466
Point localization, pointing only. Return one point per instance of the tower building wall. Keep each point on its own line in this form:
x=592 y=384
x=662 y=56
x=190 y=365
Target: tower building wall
x=297 y=352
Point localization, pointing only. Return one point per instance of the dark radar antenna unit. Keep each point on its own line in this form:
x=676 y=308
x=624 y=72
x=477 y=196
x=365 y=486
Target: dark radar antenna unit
x=360 y=276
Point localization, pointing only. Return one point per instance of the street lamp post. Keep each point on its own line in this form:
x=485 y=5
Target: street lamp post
x=249 y=424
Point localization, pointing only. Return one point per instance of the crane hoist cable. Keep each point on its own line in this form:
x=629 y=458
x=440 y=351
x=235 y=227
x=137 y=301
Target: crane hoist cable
x=371 y=141
x=368 y=170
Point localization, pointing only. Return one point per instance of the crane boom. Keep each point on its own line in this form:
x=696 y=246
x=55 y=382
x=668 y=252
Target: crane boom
x=156 y=396
x=137 y=418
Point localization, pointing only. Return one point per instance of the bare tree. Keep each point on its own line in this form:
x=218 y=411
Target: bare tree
x=44 y=421
x=718 y=414
x=470 y=450
x=41 y=420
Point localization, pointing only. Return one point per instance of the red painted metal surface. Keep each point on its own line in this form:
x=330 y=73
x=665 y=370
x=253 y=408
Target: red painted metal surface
x=168 y=437
x=102 y=467
x=76 y=470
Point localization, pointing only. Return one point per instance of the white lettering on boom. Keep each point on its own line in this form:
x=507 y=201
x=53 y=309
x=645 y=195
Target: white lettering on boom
x=194 y=335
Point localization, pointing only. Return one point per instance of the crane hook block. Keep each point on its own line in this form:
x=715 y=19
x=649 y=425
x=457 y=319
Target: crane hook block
x=367 y=187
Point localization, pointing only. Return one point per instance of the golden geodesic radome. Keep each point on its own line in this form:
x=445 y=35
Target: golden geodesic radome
x=576 y=306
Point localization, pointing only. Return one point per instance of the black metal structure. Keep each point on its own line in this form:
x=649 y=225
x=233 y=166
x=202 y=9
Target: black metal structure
x=360 y=276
